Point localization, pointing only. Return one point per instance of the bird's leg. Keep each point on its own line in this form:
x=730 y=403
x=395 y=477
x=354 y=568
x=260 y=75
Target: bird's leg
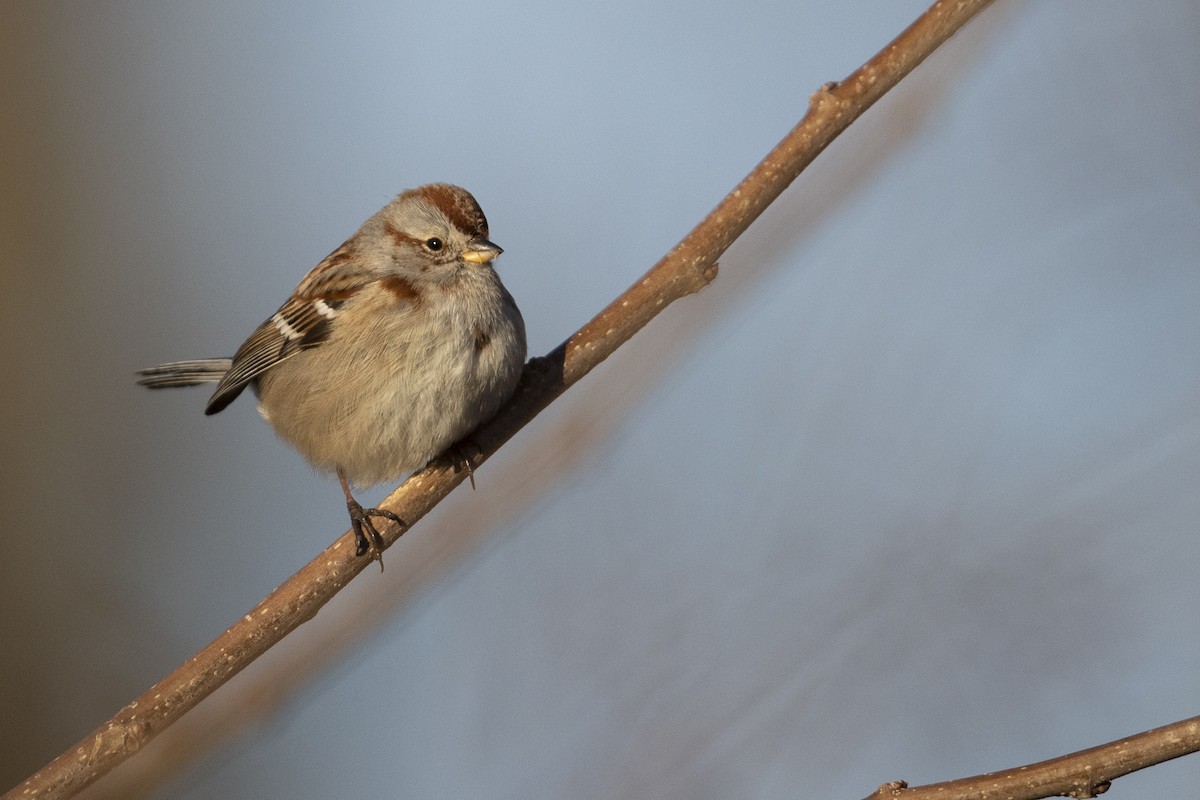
x=367 y=538
x=457 y=454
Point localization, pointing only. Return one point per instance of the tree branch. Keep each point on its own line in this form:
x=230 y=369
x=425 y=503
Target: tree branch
x=258 y=693
x=687 y=268
x=1087 y=773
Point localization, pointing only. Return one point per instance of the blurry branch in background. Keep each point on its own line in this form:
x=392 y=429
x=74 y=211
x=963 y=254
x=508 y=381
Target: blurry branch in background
x=1087 y=773
x=688 y=268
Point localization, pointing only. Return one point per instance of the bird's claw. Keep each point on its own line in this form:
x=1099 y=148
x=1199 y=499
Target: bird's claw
x=460 y=460
x=367 y=538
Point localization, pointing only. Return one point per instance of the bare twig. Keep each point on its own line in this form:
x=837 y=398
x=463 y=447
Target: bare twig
x=1087 y=773
x=689 y=267
x=258 y=693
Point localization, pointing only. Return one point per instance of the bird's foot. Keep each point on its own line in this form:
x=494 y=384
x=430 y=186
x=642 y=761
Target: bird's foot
x=459 y=456
x=367 y=539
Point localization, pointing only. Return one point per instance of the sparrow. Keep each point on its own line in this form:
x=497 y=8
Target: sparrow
x=392 y=349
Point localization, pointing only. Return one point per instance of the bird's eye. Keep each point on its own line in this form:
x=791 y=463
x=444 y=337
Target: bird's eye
x=434 y=244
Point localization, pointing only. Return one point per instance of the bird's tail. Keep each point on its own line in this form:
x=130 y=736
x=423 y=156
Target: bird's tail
x=185 y=373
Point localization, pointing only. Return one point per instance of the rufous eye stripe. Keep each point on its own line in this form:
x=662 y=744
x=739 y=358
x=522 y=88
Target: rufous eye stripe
x=402 y=289
x=398 y=236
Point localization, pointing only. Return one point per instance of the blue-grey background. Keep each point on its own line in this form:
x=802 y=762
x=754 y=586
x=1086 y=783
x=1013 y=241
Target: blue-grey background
x=909 y=492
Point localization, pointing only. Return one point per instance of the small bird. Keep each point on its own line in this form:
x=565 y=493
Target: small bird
x=399 y=343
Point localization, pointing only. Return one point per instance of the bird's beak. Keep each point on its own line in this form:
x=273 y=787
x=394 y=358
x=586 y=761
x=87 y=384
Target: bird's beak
x=480 y=251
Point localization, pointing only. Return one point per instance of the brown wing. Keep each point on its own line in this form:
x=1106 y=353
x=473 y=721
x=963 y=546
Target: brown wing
x=300 y=323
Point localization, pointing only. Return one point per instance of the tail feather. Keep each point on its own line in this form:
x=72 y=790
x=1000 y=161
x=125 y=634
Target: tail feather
x=184 y=373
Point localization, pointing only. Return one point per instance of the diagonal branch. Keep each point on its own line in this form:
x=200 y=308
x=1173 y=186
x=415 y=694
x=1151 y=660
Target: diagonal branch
x=1087 y=773
x=688 y=268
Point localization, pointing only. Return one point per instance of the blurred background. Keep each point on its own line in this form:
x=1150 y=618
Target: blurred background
x=909 y=492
